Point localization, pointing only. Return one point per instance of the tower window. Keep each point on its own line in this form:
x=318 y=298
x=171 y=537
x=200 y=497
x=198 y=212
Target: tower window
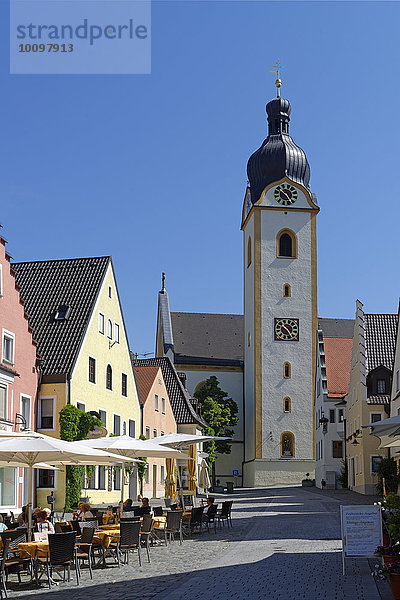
x=287 y=292
x=287 y=405
x=287 y=370
x=249 y=252
x=286 y=244
x=287 y=445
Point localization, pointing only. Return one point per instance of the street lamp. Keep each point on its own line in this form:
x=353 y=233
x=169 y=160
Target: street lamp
x=324 y=422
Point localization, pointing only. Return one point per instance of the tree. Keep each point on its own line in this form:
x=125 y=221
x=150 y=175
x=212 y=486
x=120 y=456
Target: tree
x=388 y=476
x=75 y=425
x=220 y=412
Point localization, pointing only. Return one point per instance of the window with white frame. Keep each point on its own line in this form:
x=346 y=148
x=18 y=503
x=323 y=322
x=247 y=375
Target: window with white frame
x=81 y=406
x=46 y=479
x=26 y=410
x=124 y=428
x=117 y=478
x=8 y=346
x=132 y=428
x=375 y=462
x=46 y=413
x=162 y=433
x=92 y=370
x=116 y=333
x=375 y=417
x=101 y=323
x=102 y=478
x=155 y=402
x=163 y=406
x=3 y=402
x=154 y=433
x=103 y=416
x=147 y=433
x=124 y=384
x=109 y=377
x=162 y=474
x=381 y=386
x=109 y=329
x=8 y=487
x=117 y=425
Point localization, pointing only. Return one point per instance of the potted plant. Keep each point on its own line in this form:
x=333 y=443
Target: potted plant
x=307 y=482
x=389 y=571
x=388 y=552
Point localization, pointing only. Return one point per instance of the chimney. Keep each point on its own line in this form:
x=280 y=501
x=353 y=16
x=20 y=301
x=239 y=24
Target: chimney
x=182 y=377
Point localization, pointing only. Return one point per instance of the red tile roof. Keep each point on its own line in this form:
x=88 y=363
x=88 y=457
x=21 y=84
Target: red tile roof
x=145 y=377
x=338 y=360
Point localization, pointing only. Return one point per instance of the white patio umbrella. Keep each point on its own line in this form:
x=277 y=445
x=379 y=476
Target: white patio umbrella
x=182 y=441
x=204 y=478
x=27 y=451
x=131 y=448
x=387 y=430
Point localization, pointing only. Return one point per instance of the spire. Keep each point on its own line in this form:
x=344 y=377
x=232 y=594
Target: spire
x=163 y=282
x=278 y=82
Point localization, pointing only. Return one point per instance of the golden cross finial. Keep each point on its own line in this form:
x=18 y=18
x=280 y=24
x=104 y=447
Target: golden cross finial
x=278 y=82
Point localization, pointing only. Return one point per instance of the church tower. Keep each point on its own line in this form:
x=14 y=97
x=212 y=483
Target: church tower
x=280 y=307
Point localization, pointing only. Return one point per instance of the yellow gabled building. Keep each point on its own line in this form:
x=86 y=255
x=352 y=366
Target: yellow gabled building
x=76 y=315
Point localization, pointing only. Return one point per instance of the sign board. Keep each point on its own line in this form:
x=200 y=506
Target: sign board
x=235 y=473
x=361 y=530
x=98 y=431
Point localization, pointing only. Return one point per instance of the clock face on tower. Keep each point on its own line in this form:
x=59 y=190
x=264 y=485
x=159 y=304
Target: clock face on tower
x=285 y=194
x=286 y=330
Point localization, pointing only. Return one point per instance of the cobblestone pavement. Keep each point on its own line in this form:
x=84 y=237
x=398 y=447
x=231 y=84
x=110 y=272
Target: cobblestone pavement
x=285 y=544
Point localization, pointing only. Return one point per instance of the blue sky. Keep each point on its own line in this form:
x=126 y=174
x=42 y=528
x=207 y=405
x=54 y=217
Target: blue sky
x=152 y=168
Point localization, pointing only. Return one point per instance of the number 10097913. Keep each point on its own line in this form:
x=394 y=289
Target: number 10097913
x=46 y=48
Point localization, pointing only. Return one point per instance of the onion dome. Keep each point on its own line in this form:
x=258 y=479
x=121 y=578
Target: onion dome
x=278 y=156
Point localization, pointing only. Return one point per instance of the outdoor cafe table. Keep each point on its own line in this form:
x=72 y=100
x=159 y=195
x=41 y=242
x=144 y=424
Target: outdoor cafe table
x=29 y=548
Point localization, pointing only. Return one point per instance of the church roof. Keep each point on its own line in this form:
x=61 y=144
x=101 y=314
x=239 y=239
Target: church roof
x=181 y=401
x=340 y=328
x=48 y=285
x=278 y=156
x=204 y=338
x=380 y=340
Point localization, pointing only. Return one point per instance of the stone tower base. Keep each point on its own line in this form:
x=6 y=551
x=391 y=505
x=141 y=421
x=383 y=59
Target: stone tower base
x=263 y=472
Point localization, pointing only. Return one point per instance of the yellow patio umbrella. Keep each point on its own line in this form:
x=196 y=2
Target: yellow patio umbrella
x=192 y=466
x=170 y=481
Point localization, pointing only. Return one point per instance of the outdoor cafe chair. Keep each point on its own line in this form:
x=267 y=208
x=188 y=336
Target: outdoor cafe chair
x=196 y=519
x=129 y=540
x=211 y=517
x=147 y=526
x=76 y=527
x=225 y=513
x=13 y=558
x=94 y=523
x=62 y=553
x=85 y=548
x=158 y=511
x=3 y=558
x=173 y=526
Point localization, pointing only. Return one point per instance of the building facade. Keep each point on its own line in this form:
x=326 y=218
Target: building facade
x=335 y=341
x=77 y=318
x=19 y=375
x=157 y=420
x=368 y=399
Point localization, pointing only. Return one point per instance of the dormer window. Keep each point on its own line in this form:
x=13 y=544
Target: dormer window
x=381 y=386
x=62 y=313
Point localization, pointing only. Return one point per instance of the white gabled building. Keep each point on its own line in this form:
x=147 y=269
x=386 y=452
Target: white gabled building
x=335 y=340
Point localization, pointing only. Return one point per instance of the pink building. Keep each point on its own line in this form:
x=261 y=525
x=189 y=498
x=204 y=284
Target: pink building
x=19 y=376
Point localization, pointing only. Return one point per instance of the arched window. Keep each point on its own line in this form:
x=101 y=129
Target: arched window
x=287 y=370
x=109 y=329
x=287 y=292
x=286 y=244
x=249 y=252
x=287 y=405
x=287 y=445
x=109 y=377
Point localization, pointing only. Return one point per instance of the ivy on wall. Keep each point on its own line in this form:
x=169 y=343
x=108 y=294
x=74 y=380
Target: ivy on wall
x=74 y=425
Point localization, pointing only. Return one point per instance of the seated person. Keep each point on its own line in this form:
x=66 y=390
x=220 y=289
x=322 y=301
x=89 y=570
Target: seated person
x=144 y=509
x=43 y=523
x=210 y=509
x=128 y=505
x=3 y=526
x=77 y=515
x=86 y=514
